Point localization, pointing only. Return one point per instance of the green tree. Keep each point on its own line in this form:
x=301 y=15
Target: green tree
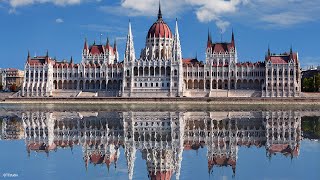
x=317 y=82
x=311 y=127
x=308 y=84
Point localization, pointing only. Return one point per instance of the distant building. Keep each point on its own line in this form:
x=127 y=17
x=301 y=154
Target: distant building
x=2 y=78
x=11 y=76
x=14 y=77
x=310 y=72
x=162 y=72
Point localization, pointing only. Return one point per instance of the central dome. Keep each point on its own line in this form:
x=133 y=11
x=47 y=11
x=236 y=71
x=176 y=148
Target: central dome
x=159 y=29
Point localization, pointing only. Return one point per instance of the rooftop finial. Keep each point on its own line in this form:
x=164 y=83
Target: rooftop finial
x=115 y=44
x=159 y=12
x=232 y=38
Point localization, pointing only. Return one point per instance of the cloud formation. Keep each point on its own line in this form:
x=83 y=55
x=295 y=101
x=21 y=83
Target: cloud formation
x=271 y=13
x=266 y=13
x=17 y=3
x=59 y=20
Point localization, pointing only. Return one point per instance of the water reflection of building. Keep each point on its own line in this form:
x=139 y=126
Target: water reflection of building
x=11 y=128
x=161 y=137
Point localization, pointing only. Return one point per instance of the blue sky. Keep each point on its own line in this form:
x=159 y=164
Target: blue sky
x=61 y=26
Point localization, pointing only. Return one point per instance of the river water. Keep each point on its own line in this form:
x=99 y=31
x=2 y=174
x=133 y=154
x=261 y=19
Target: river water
x=160 y=142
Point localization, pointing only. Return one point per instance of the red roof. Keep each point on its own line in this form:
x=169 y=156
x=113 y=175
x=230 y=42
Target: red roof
x=282 y=58
x=41 y=146
x=159 y=29
x=101 y=49
x=39 y=60
x=189 y=61
x=164 y=175
x=96 y=49
x=221 y=47
x=222 y=161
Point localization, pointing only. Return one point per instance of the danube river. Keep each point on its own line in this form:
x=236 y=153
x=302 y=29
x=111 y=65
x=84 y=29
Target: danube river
x=158 y=141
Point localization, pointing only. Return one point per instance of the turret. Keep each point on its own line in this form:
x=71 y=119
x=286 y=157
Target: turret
x=159 y=12
x=176 y=44
x=28 y=58
x=107 y=44
x=115 y=46
x=85 y=46
x=130 y=52
x=209 y=41
x=232 y=39
x=115 y=50
x=47 y=56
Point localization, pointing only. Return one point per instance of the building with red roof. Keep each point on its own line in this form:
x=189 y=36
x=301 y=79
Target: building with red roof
x=161 y=70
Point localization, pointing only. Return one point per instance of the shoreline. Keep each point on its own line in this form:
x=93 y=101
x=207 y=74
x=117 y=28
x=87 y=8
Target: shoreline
x=174 y=100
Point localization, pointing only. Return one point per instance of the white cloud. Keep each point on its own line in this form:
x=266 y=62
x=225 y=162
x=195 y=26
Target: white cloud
x=19 y=3
x=272 y=13
x=286 y=13
x=59 y=20
x=265 y=13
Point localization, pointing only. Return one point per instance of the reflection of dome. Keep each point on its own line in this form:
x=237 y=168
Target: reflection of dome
x=160 y=175
x=159 y=29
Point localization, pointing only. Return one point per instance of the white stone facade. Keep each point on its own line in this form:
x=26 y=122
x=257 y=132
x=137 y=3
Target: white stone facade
x=162 y=72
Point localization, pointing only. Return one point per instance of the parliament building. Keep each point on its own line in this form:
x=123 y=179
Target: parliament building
x=161 y=71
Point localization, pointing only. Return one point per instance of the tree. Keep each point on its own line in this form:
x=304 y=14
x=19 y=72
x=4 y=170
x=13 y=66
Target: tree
x=317 y=82
x=308 y=84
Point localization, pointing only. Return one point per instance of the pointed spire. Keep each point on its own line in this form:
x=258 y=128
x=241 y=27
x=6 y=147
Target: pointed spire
x=115 y=45
x=159 y=12
x=94 y=42
x=107 y=44
x=177 y=54
x=130 y=32
x=108 y=167
x=232 y=39
x=71 y=60
x=130 y=52
x=28 y=58
x=85 y=46
x=47 y=54
x=269 y=52
x=291 y=52
x=177 y=29
x=209 y=41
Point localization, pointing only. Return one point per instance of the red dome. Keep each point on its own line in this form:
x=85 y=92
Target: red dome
x=159 y=30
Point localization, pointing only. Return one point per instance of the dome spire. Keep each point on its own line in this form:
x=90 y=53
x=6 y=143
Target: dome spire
x=159 y=12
